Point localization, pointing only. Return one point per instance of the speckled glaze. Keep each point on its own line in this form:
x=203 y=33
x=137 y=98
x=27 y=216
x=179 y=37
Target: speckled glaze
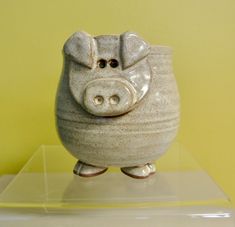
x=137 y=116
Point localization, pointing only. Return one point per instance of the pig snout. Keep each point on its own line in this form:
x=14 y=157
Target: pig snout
x=109 y=97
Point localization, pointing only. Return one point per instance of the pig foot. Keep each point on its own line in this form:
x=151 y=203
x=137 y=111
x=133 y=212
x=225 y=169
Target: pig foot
x=139 y=172
x=86 y=170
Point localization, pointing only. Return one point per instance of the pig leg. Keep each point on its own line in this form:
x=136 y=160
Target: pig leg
x=140 y=172
x=86 y=170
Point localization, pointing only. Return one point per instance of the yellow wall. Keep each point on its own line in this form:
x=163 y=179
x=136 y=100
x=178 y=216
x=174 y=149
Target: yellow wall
x=202 y=34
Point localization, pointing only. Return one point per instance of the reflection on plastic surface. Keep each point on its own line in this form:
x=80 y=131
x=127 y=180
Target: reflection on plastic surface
x=212 y=215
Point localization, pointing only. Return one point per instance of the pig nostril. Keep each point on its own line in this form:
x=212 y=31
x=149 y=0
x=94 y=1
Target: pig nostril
x=98 y=100
x=114 y=100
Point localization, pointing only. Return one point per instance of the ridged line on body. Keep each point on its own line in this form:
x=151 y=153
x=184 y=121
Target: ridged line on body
x=96 y=147
x=95 y=122
x=111 y=133
x=152 y=126
x=67 y=125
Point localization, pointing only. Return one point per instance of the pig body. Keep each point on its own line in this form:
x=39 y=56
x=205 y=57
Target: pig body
x=124 y=116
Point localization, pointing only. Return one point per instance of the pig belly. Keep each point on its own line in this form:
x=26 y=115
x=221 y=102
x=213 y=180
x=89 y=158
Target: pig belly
x=110 y=142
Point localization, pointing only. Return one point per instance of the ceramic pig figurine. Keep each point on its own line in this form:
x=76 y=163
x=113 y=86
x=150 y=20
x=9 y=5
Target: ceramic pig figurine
x=117 y=103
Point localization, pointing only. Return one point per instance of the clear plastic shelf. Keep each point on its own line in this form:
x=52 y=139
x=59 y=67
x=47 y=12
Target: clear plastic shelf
x=47 y=182
x=46 y=192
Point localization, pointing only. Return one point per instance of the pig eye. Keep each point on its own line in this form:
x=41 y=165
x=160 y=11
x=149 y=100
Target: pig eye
x=102 y=63
x=113 y=63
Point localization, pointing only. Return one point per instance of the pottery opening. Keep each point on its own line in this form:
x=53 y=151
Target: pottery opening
x=102 y=63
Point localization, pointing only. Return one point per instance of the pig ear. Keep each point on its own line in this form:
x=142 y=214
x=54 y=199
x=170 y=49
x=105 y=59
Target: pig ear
x=81 y=48
x=133 y=49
